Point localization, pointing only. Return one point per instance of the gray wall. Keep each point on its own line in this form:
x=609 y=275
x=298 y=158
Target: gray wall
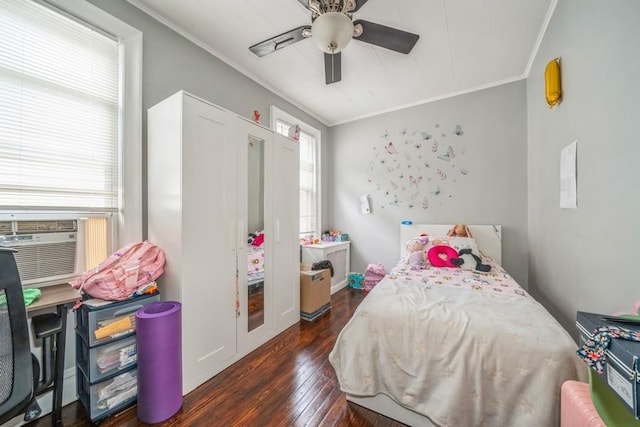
x=172 y=63
x=583 y=259
x=491 y=150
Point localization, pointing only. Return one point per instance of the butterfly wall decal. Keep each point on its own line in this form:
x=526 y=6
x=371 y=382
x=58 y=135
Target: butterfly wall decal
x=448 y=155
x=391 y=149
x=414 y=180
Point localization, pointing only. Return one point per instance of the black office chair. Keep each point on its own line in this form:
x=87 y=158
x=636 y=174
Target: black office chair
x=19 y=368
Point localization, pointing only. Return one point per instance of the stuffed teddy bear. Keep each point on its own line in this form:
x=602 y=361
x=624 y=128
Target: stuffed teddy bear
x=415 y=248
x=469 y=261
x=459 y=230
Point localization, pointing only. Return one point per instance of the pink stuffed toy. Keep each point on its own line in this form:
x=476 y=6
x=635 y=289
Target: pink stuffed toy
x=414 y=249
x=259 y=239
x=441 y=256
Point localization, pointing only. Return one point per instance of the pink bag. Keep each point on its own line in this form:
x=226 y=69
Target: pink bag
x=372 y=275
x=123 y=272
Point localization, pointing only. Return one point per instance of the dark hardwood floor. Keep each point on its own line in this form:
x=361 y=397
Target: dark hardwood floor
x=286 y=382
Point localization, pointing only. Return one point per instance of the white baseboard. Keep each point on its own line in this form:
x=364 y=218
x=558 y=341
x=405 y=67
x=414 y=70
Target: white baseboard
x=339 y=286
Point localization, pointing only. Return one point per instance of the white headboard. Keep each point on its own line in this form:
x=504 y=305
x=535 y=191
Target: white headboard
x=488 y=237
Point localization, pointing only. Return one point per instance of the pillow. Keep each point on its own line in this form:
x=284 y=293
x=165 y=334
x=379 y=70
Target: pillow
x=456 y=243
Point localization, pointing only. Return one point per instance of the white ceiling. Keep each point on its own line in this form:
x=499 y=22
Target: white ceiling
x=464 y=45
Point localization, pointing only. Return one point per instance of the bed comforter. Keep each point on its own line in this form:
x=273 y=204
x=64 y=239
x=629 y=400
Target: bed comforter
x=460 y=347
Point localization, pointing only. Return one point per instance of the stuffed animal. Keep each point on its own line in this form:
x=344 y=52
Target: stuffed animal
x=259 y=239
x=459 y=230
x=416 y=255
x=256 y=239
x=441 y=255
x=469 y=261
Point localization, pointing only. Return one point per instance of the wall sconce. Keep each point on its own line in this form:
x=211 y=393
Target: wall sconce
x=552 y=83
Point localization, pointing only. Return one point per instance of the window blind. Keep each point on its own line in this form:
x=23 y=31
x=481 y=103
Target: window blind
x=308 y=217
x=58 y=111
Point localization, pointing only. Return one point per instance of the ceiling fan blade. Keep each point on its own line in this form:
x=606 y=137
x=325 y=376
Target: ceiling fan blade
x=280 y=41
x=359 y=4
x=387 y=37
x=332 y=67
x=305 y=3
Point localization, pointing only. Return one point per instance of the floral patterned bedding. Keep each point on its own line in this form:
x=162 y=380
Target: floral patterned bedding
x=255 y=263
x=495 y=281
x=461 y=347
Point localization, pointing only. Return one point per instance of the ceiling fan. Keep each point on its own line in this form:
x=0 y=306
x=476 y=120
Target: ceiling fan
x=332 y=28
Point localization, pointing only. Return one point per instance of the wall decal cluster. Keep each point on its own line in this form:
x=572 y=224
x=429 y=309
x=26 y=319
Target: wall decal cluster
x=413 y=169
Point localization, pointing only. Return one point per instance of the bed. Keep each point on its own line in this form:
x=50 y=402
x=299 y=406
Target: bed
x=455 y=347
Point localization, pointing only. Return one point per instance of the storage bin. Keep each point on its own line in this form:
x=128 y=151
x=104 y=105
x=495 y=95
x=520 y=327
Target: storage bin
x=356 y=280
x=100 y=323
x=618 y=387
x=103 y=361
x=109 y=396
x=315 y=293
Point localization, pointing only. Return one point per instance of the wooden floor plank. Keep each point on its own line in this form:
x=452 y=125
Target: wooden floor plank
x=286 y=382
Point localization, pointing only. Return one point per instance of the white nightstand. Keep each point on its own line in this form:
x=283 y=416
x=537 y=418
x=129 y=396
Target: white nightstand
x=337 y=253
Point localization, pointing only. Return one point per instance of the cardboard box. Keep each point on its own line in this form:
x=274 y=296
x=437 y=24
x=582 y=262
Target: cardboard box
x=621 y=373
x=315 y=293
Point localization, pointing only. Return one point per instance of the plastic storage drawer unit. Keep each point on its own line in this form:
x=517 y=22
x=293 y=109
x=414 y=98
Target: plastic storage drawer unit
x=99 y=325
x=107 y=397
x=98 y=363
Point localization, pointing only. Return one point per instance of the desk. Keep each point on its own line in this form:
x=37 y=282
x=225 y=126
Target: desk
x=60 y=297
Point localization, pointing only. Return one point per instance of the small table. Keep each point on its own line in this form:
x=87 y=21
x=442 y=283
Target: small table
x=61 y=297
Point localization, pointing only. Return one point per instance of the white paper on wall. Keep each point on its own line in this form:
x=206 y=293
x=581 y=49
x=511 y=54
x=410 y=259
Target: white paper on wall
x=364 y=205
x=568 y=177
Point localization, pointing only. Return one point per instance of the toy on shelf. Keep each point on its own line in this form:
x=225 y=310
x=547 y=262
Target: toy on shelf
x=335 y=236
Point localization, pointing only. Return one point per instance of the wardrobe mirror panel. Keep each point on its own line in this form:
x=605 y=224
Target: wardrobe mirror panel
x=255 y=222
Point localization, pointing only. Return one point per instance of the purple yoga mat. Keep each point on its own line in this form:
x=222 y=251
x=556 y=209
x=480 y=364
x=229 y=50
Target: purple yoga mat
x=159 y=339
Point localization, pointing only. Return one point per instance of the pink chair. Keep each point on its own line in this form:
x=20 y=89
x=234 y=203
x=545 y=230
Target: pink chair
x=576 y=407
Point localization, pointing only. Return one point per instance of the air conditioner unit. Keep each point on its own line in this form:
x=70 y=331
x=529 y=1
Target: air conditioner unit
x=47 y=251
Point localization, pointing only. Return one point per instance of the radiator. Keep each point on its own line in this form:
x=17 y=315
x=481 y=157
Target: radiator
x=576 y=407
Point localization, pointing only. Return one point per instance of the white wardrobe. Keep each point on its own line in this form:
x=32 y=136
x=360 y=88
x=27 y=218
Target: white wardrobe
x=213 y=177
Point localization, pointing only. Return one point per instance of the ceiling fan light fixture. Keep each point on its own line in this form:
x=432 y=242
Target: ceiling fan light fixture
x=332 y=31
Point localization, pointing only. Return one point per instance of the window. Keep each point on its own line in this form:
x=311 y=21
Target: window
x=70 y=135
x=59 y=127
x=309 y=169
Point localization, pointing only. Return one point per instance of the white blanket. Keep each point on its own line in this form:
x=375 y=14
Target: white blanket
x=461 y=347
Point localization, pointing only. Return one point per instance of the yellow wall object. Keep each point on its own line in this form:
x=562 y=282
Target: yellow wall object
x=552 y=86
